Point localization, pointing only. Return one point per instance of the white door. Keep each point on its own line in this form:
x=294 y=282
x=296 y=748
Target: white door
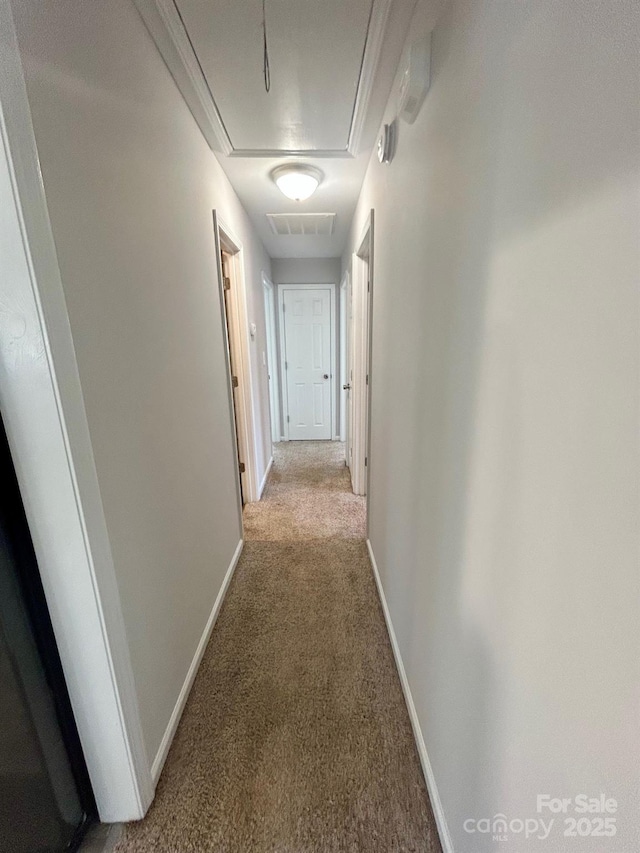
x=307 y=343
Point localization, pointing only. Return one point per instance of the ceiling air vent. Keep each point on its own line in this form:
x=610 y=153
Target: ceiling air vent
x=302 y=224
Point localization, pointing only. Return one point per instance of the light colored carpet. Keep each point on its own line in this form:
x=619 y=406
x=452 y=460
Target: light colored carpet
x=295 y=738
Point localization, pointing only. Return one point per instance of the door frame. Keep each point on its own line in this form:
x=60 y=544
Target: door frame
x=332 y=371
x=242 y=410
x=361 y=339
x=344 y=357
x=271 y=328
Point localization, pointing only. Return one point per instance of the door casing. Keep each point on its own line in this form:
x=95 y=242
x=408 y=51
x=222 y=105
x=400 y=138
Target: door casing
x=360 y=340
x=241 y=403
x=343 y=379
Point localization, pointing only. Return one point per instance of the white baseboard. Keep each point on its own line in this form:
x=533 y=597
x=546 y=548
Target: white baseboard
x=265 y=478
x=165 y=744
x=434 y=796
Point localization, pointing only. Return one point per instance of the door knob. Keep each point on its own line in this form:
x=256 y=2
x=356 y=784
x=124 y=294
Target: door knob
x=346 y=387
x=326 y=376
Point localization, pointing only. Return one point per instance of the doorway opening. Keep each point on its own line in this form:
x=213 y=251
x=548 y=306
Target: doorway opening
x=45 y=790
x=234 y=311
x=272 y=358
x=308 y=360
x=359 y=304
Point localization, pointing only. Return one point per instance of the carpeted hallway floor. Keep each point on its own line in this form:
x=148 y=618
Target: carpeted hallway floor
x=295 y=738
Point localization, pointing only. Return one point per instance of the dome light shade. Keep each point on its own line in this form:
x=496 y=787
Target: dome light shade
x=297 y=181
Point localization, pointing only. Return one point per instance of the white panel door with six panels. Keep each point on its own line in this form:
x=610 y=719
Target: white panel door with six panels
x=307 y=338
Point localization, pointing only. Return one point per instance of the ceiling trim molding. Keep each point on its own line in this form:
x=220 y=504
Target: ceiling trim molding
x=163 y=20
x=165 y=25
x=312 y=153
x=371 y=57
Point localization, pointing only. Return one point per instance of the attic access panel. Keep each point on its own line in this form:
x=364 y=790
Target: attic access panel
x=315 y=51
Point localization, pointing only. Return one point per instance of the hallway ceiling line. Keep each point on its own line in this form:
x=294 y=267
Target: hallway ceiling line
x=166 y=24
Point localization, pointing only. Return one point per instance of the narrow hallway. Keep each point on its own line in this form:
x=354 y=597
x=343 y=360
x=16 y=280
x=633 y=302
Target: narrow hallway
x=295 y=737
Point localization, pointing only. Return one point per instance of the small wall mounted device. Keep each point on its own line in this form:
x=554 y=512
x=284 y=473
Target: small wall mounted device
x=386 y=143
x=415 y=80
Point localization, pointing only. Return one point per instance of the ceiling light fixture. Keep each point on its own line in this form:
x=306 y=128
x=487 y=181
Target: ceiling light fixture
x=297 y=181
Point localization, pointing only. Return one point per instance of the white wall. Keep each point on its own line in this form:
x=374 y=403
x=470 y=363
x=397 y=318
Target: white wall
x=130 y=185
x=504 y=482
x=306 y=270
x=44 y=415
